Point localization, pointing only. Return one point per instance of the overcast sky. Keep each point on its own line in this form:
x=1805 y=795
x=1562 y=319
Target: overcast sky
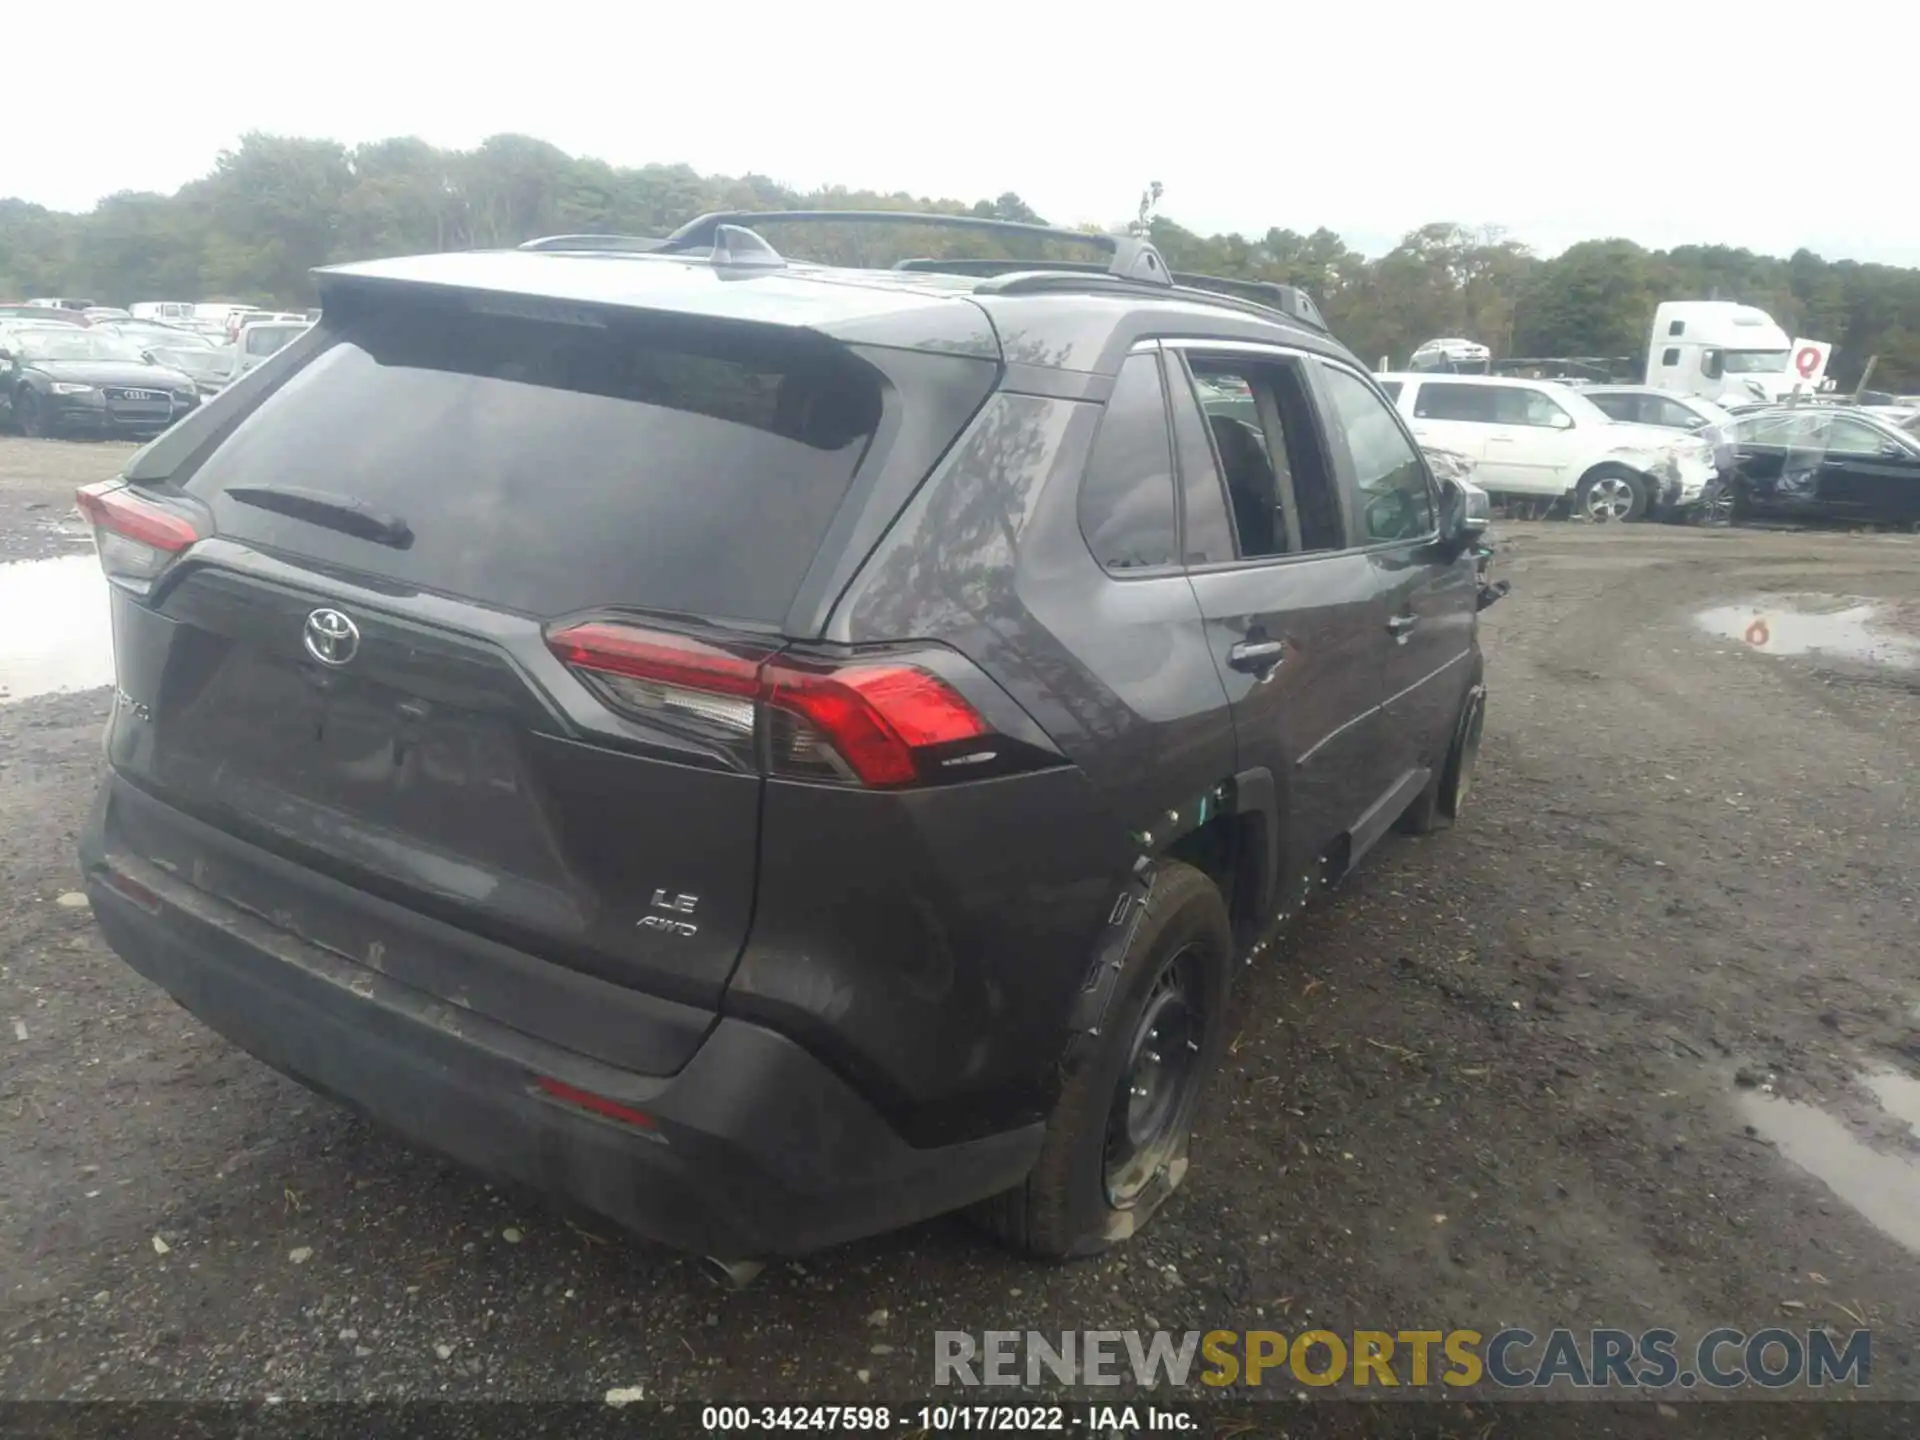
x=1667 y=123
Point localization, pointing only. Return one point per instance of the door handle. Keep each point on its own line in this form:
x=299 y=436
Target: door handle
x=1402 y=624
x=1257 y=656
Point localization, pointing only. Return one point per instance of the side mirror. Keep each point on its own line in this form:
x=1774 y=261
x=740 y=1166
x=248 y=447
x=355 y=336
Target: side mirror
x=1465 y=512
x=1561 y=420
x=1892 y=451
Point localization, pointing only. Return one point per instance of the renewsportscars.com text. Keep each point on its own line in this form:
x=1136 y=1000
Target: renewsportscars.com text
x=1510 y=1359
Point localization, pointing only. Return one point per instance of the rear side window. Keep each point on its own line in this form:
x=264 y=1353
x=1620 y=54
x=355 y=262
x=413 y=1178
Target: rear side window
x=546 y=467
x=1126 y=496
x=1618 y=407
x=1390 y=389
x=1439 y=400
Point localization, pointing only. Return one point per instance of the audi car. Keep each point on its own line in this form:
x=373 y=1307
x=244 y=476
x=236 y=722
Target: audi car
x=58 y=380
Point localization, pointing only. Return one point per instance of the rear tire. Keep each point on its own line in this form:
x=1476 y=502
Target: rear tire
x=1116 y=1143
x=1611 y=494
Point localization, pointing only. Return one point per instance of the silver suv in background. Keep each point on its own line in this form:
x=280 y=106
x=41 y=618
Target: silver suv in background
x=1650 y=405
x=262 y=340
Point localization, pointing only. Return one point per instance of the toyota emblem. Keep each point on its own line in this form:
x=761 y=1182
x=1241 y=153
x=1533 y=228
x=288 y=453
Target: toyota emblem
x=331 y=638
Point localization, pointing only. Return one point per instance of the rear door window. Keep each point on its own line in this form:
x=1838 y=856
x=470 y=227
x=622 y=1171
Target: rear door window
x=1269 y=451
x=546 y=467
x=1207 y=528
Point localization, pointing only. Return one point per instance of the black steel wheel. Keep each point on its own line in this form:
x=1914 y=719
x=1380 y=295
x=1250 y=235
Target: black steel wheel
x=1116 y=1141
x=1153 y=1103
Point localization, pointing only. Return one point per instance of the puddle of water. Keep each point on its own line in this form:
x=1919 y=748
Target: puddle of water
x=63 y=638
x=1814 y=625
x=1883 y=1187
x=1898 y=1094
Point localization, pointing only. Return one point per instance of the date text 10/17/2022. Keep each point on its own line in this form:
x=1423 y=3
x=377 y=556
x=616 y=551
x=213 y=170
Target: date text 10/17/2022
x=948 y=1419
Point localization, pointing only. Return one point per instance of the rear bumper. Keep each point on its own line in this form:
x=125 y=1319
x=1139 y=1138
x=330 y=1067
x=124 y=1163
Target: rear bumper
x=756 y=1148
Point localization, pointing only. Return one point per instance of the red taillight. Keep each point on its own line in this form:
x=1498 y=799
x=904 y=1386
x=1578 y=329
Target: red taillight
x=652 y=655
x=136 y=537
x=598 y=1104
x=111 y=506
x=875 y=716
x=865 y=722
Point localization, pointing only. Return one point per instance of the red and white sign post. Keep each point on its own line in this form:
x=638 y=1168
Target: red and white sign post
x=1809 y=361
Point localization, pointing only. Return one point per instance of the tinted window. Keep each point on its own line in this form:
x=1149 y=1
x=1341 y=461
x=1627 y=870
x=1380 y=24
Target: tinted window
x=1206 y=529
x=1439 y=400
x=1396 y=502
x=548 y=468
x=1677 y=327
x=1670 y=356
x=1853 y=437
x=1618 y=407
x=1126 y=496
x=1391 y=389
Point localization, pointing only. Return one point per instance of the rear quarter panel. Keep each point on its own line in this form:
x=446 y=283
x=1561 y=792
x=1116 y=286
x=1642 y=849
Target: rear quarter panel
x=934 y=943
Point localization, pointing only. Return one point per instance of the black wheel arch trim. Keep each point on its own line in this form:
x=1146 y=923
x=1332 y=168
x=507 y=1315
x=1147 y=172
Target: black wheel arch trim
x=1250 y=796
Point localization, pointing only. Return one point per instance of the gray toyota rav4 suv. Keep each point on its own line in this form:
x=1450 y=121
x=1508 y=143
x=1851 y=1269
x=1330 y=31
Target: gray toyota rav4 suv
x=764 y=751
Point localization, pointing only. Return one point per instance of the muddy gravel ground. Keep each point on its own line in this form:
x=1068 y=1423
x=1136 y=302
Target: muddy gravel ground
x=1634 y=1046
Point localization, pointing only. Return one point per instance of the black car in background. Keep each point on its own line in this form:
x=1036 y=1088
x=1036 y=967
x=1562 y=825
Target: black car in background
x=57 y=380
x=1824 y=463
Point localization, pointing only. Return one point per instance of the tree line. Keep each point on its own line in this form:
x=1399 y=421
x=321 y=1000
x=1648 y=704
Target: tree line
x=275 y=207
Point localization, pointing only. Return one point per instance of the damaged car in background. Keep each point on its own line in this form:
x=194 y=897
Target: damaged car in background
x=1537 y=443
x=1824 y=463
x=1450 y=467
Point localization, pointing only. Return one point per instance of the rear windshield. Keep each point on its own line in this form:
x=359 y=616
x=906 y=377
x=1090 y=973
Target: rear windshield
x=551 y=467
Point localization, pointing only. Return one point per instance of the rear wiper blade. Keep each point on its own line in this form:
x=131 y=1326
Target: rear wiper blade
x=350 y=517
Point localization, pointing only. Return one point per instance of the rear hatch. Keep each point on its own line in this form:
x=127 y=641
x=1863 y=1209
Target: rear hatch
x=354 y=665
